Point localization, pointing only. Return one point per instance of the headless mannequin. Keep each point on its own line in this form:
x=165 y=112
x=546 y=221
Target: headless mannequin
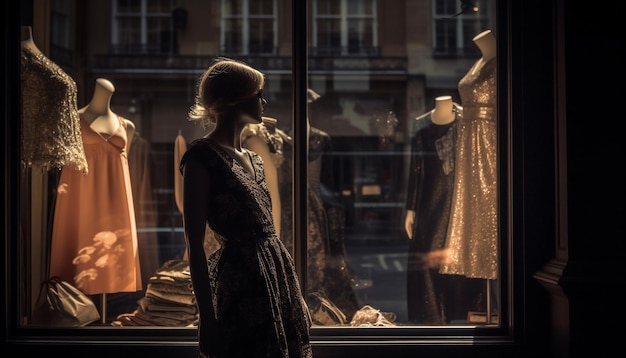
x=442 y=114
x=99 y=115
x=27 y=39
x=472 y=233
x=257 y=144
x=486 y=43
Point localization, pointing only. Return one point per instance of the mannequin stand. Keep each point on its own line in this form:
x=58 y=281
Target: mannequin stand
x=489 y=318
x=486 y=317
x=103 y=307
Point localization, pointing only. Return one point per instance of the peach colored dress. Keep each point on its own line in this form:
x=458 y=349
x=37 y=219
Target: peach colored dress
x=94 y=235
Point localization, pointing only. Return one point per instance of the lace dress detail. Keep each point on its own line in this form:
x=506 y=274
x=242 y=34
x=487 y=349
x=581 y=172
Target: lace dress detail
x=327 y=266
x=51 y=136
x=253 y=277
x=271 y=135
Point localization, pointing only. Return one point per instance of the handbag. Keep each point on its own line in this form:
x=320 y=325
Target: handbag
x=60 y=304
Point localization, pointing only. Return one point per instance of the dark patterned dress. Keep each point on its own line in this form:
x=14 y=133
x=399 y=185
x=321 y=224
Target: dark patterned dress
x=257 y=299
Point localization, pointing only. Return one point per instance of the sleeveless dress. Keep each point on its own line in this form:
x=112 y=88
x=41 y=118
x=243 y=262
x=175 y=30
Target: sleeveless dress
x=257 y=299
x=94 y=235
x=433 y=298
x=51 y=135
x=473 y=230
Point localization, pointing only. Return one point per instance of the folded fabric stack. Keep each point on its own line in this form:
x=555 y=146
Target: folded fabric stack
x=169 y=299
x=369 y=316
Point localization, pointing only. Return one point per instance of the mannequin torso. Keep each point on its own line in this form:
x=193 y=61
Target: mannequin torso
x=99 y=115
x=442 y=114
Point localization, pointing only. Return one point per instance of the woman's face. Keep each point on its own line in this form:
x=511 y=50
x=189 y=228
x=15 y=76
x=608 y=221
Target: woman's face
x=253 y=108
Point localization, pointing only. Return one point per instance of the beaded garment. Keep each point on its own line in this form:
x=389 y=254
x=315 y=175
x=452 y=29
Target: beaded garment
x=51 y=136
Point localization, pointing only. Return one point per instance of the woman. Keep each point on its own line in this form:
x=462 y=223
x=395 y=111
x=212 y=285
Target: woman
x=248 y=294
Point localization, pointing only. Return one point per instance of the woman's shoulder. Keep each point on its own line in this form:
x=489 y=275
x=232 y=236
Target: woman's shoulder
x=199 y=149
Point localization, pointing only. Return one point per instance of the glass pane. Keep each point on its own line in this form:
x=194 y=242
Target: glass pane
x=126 y=6
x=232 y=36
x=159 y=6
x=262 y=36
x=328 y=34
x=402 y=206
x=232 y=7
x=261 y=7
x=401 y=209
x=327 y=7
x=446 y=7
x=360 y=35
x=361 y=7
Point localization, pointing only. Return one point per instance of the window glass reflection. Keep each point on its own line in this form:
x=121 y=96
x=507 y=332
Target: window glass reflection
x=401 y=162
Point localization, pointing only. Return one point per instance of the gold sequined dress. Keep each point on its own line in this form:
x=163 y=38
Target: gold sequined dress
x=51 y=135
x=472 y=236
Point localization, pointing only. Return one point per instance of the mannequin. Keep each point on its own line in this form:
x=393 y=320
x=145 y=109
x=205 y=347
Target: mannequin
x=486 y=43
x=94 y=236
x=327 y=266
x=51 y=135
x=443 y=113
x=99 y=115
x=265 y=141
x=27 y=39
x=433 y=298
x=472 y=240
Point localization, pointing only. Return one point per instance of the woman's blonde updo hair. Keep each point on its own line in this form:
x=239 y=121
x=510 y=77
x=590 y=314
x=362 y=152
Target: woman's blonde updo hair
x=223 y=85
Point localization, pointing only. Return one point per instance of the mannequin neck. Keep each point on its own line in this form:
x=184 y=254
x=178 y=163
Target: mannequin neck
x=443 y=113
x=486 y=43
x=27 y=39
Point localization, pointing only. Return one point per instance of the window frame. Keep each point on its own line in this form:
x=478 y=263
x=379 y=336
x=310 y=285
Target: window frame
x=326 y=340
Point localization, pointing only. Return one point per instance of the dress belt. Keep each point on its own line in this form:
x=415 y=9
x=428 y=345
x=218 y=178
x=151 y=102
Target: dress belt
x=479 y=112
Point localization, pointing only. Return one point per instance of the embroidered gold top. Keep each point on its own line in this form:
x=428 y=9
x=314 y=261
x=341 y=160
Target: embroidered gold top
x=50 y=136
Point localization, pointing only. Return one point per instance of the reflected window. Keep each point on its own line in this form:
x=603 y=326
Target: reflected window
x=456 y=23
x=390 y=173
x=143 y=26
x=248 y=27
x=345 y=27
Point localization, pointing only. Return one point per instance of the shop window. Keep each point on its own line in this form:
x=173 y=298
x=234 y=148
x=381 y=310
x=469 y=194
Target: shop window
x=386 y=244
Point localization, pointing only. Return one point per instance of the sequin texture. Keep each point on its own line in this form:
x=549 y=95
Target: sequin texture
x=472 y=233
x=51 y=136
